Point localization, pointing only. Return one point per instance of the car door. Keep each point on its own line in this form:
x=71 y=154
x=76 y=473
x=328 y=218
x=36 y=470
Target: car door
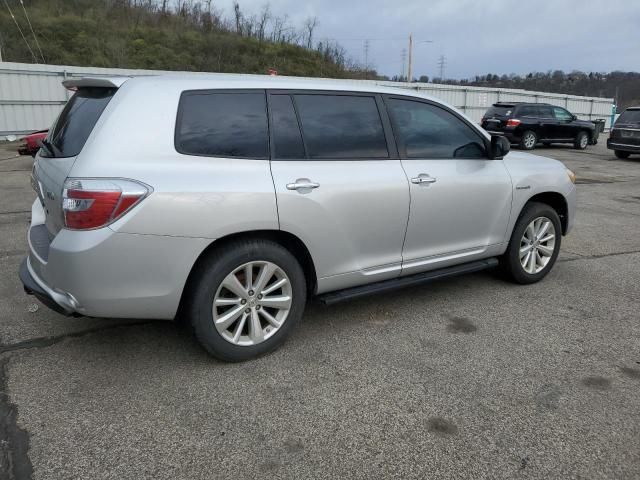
x=564 y=128
x=548 y=122
x=460 y=199
x=340 y=186
x=528 y=116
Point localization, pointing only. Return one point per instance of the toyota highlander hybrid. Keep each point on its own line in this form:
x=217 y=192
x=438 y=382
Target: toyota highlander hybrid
x=229 y=201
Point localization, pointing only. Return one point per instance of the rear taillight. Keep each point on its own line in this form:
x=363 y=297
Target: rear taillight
x=93 y=203
x=513 y=122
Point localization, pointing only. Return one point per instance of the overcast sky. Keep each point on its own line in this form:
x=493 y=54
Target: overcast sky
x=475 y=36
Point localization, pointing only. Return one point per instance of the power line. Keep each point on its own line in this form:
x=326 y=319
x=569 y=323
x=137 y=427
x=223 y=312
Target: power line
x=34 y=33
x=21 y=34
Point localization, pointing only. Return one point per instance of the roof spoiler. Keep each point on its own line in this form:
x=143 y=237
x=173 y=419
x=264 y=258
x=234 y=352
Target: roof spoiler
x=105 y=82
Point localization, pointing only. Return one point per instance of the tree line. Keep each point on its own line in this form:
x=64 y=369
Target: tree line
x=623 y=87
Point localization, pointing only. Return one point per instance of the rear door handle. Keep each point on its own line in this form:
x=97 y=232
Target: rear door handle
x=302 y=184
x=424 y=178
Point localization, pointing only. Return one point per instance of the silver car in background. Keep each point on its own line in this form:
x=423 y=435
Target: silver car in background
x=230 y=200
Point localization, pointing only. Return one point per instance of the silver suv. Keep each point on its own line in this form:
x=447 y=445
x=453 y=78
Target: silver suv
x=228 y=201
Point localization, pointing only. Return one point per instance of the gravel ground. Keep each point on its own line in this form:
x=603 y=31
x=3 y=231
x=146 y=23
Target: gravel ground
x=470 y=377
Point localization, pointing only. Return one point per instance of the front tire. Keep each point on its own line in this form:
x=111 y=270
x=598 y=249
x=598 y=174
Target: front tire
x=581 y=141
x=621 y=155
x=528 y=140
x=534 y=245
x=245 y=299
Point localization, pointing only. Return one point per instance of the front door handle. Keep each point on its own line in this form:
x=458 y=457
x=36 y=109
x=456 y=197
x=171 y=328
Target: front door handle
x=302 y=184
x=423 y=178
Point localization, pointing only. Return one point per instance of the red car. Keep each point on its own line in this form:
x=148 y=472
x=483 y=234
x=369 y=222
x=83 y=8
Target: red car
x=31 y=143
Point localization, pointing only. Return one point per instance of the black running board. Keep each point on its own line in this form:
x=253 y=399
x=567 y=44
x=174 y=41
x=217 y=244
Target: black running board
x=408 y=281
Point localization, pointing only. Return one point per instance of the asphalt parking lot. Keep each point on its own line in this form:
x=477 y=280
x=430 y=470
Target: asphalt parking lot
x=469 y=377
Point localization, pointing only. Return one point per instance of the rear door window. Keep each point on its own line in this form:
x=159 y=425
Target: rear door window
x=341 y=126
x=528 y=111
x=426 y=131
x=545 y=112
x=223 y=124
x=75 y=123
x=286 y=134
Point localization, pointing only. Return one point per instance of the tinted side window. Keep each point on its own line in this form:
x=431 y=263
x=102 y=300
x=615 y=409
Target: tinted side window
x=284 y=125
x=75 y=123
x=223 y=124
x=562 y=114
x=427 y=131
x=528 y=111
x=341 y=126
x=545 y=112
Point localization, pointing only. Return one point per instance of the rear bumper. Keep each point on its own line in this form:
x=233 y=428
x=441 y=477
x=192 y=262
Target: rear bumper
x=621 y=146
x=59 y=302
x=103 y=273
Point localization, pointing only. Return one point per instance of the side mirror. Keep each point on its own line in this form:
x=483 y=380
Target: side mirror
x=500 y=146
x=573 y=117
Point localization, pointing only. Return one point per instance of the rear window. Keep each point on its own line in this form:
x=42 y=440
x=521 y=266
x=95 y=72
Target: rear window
x=499 y=111
x=223 y=124
x=75 y=123
x=630 y=116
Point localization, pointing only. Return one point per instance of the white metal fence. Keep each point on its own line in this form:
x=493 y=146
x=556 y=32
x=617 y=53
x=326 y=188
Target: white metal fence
x=31 y=96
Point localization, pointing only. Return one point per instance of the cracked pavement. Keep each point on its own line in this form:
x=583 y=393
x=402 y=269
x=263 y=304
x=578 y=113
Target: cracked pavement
x=468 y=377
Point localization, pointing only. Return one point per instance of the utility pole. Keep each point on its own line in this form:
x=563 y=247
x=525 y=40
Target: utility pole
x=404 y=60
x=442 y=62
x=366 y=54
x=409 y=70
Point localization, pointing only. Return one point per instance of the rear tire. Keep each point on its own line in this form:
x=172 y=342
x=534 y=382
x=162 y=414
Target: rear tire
x=532 y=251
x=248 y=318
x=528 y=140
x=621 y=155
x=581 y=141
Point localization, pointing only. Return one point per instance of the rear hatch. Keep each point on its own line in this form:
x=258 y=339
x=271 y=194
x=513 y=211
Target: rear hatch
x=65 y=141
x=495 y=119
x=627 y=127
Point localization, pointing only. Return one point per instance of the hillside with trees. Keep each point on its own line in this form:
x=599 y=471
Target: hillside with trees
x=186 y=35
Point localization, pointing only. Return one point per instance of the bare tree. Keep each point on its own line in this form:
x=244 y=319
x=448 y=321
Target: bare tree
x=310 y=25
x=263 y=20
x=238 y=15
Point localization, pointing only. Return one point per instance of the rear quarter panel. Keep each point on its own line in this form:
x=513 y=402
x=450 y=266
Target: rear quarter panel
x=193 y=196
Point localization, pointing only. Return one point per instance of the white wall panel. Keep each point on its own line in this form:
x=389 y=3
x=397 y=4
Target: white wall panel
x=32 y=95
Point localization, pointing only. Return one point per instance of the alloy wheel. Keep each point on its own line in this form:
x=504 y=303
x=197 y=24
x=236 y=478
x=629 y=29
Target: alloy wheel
x=537 y=245
x=583 y=141
x=530 y=140
x=252 y=303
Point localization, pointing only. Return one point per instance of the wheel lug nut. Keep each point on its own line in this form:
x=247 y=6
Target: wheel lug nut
x=257 y=307
x=243 y=301
x=251 y=292
x=248 y=310
x=259 y=297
